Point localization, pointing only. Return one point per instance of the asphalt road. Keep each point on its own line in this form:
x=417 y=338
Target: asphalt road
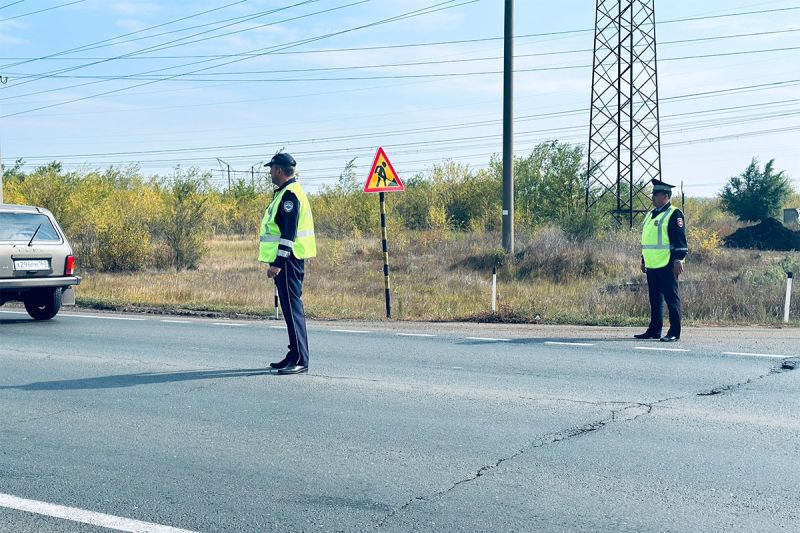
x=147 y=423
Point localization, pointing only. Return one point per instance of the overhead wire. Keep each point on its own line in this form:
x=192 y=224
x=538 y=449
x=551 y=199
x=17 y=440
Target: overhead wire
x=142 y=51
x=255 y=54
x=410 y=14
x=15 y=17
x=407 y=45
x=392 y=65
x=114 y=41
x=528 y=70
x=669 y=126
x=11 y=4
x=523 y=118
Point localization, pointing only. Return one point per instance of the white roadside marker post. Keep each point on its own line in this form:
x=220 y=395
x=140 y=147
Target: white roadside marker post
x=494 y=289
x=788 y=297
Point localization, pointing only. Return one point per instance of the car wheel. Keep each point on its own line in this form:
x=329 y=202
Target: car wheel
x=43 y=305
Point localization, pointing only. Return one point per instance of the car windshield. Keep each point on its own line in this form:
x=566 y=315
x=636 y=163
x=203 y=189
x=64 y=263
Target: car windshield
x=20 y=227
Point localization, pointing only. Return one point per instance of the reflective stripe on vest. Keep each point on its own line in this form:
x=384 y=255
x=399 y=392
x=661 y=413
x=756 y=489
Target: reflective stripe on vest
x=655 y=239
x=304 y=245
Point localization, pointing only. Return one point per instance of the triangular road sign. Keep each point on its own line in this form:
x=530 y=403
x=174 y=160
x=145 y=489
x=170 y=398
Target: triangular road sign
x=382 y=177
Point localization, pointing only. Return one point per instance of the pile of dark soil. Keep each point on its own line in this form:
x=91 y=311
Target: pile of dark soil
x=768 y=235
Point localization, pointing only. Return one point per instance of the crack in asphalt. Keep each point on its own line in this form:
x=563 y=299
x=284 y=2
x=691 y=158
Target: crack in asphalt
x=629 y=413
x=786 y=366
x=636 y=409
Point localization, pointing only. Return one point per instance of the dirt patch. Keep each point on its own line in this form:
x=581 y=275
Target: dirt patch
x=767 y=235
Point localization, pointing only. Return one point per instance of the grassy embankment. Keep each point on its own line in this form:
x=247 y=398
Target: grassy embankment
x=447 y=276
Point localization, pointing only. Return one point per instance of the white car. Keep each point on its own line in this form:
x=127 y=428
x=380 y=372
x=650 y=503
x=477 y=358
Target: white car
x=36 y=262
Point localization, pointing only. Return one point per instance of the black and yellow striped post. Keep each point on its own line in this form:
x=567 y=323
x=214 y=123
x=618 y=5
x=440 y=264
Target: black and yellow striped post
x=382 y=179
x=385 y=243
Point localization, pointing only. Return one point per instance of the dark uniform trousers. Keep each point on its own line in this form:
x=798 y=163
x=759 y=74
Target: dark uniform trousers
x=290 y=289
x=662 y=285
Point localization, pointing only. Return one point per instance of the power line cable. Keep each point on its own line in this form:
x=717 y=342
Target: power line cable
x=388 y=65
x=135 y=77
x=164 y=45
x=12 y=4
x=410 y=14
x=156 y=47
x=408 y=132
x=705 y=122
x=87 y=46
x=55 y=74
x=15 y=17
x=529 y=70
x=415 y=45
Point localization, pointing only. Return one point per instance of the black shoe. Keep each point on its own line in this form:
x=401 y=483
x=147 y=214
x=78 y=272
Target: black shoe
x=670 y=338
x=293 y=369
x=283 y=363
x=647 y=335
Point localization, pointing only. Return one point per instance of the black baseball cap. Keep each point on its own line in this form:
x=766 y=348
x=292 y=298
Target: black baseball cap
x=282 y=159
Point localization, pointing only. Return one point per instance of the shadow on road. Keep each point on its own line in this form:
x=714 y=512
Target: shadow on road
x=22 y=320
x=133 y=380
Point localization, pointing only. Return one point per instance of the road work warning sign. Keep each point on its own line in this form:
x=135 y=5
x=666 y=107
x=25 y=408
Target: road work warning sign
x=382 y=177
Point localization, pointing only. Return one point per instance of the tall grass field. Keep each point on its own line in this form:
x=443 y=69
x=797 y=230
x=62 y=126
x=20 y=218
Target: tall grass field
x=443 y=275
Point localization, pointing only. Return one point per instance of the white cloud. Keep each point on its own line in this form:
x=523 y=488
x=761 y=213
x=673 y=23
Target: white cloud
x=6 y=28
x=130 y=24
x=11 y=41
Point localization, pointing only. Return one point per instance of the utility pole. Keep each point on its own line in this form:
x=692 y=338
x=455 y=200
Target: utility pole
x=1 y=173
x=221 y=162
x=3 y=81
x=259 y=166
x=508 y=130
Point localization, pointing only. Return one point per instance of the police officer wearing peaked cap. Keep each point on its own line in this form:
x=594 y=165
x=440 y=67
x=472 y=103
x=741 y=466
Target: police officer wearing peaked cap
x=287 y=240
x=663 y=251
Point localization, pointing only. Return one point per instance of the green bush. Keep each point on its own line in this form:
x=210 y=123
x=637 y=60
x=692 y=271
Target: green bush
x=123 y=248
x=183 y=224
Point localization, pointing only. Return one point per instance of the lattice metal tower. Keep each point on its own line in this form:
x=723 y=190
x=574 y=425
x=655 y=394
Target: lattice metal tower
x=624 y=137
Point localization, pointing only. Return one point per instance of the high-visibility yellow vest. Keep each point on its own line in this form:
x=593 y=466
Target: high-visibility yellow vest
x=656 y=247
x=304 y=245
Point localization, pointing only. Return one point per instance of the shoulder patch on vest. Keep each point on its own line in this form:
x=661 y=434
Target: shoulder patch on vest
x=288 y=206
x=680 y=222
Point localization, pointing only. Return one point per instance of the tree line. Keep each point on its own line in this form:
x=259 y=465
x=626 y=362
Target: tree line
x=121 y=220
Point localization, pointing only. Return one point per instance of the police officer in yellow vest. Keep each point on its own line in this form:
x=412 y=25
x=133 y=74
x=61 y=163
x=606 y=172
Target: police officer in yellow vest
x=287 y=240
x=663 y=251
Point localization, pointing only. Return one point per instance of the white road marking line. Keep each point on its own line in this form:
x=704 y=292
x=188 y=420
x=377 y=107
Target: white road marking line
x=558 y=343
x=414 y=335
x=279 y=327
x=232 y=324
x=177 y=321
x=85 y=517
x=488 y=339
x=661 y=349
x=85 y=316
x=457 y=367
x=106 y=317
x=771 y=355
x=348 y=331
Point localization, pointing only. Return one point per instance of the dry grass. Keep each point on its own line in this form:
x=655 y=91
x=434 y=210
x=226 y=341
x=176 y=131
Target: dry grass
x=438 y=275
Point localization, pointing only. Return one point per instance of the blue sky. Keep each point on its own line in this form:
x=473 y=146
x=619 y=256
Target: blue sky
x=247 y=78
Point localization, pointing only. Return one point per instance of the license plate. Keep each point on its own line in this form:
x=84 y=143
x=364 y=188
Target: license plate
x=31 y=264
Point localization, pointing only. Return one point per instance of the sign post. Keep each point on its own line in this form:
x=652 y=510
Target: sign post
x=382 y=179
